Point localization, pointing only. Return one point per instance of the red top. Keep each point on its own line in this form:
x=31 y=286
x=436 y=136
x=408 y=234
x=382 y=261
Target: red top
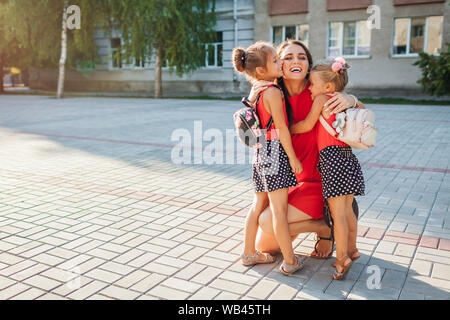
x=307 y=196
x=264 y=117
x=324 y=139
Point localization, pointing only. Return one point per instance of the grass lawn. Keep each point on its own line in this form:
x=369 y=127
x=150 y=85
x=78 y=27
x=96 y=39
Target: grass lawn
x=206 y=97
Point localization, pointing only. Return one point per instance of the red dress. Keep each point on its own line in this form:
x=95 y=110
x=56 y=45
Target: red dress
x=307 y=196
x=264 y=117
x=324 y=139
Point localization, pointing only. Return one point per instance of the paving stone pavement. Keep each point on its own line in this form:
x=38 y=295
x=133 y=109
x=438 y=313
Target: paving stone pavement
x=92 y=205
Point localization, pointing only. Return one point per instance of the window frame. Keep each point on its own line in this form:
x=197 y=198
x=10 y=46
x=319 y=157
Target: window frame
x=341 y=45
x=283 y=31
x=216 y=54
x=408 y=43
x=112 y=52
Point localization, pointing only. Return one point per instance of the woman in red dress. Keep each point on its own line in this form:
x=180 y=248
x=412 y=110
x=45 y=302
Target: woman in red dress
x=305 y=202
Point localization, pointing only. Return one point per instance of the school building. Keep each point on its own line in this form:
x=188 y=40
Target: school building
x=380 y=39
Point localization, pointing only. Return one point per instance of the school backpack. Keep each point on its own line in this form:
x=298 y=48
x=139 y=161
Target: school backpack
x=355 y=127
x=248 y=125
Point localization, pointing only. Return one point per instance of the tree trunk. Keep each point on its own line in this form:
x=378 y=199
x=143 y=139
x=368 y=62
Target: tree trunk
x=1 y=74
x=26 y=77
x=62 y=60
x=158 y=74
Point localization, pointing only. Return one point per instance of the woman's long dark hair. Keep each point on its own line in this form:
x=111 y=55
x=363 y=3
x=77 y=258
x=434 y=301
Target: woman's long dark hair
x=280 y=81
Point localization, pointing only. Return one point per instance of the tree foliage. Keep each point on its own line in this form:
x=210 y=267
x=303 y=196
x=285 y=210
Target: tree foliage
x=435 y=72
x=31 y=33
x=177 y=30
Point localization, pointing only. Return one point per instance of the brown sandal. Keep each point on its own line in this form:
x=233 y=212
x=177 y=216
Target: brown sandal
x=338 y=275
x=351 y=256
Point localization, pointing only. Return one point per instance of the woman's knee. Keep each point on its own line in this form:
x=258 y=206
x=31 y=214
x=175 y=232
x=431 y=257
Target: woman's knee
x=279 y=209
x=265 y=221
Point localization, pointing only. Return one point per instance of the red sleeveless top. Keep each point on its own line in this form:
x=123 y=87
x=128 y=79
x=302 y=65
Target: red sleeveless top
x=324 y=139
x=307 y=196
x=264 y=117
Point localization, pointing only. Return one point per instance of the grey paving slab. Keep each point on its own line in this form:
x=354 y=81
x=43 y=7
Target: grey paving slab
x=78 y=221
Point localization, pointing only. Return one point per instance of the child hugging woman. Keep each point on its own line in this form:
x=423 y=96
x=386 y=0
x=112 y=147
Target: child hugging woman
x=342 y=177
x=275 y=163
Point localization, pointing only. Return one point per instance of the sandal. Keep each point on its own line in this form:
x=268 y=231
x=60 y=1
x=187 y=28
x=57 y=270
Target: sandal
x=289 y=270
x=338 y=275
x=315 y=255
x=351 y=257
x=353 y=254
x=252 y=260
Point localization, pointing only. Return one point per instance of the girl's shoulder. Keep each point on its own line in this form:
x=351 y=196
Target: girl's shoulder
x=272 y=93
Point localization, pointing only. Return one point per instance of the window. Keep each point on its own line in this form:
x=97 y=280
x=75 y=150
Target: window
x=116 y=53
x=277 y=33
x=298 y=32
x=303 y=33
x=414 y=35
x=214 y=52
x=348 y=39
x=139 y=63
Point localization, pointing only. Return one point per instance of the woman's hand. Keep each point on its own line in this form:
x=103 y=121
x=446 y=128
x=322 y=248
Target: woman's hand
x=257 y=88
x=295 y=165
x=339 y=102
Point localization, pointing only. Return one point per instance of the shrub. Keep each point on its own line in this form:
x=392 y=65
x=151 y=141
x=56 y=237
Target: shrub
x=435 y=72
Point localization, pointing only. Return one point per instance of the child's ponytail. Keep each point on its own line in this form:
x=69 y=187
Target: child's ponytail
x=238 y=58
x=247 y=60
x=334 y=71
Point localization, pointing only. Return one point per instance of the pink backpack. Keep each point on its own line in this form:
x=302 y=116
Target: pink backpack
x=354 y=127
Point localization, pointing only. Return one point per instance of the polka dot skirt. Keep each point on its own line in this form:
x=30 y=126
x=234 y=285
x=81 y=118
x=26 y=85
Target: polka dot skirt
x=341 y=172
x=271 y=168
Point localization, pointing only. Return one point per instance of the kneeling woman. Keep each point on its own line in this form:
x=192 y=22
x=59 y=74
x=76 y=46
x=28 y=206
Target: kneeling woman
x=305 y=201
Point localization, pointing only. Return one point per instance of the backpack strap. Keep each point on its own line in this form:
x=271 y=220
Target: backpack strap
x=270 y=122
x=327 y=127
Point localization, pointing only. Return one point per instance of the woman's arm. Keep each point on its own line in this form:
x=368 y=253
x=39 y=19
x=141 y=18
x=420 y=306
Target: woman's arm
x=342 y=101
x=312 y=117
x=258 y=87
x=360 y=105
x=273 y=101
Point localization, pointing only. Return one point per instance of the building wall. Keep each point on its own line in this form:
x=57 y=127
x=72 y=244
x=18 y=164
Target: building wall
x=211 y=80
x=380 y=74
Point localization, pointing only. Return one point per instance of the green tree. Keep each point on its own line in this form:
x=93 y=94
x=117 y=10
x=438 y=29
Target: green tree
x=435 y=72
x=7 y=43
x=36 y=28
x=172 y=31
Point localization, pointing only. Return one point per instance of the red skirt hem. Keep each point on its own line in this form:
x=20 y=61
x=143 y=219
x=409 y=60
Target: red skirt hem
x=307 y=197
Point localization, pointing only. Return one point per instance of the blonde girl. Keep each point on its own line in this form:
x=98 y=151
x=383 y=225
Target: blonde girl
x=341 y=172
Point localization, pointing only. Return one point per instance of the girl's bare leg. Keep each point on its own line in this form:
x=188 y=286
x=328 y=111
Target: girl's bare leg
x=352 y=223
x=339 y=214
x=260 y=202
x=278 y=205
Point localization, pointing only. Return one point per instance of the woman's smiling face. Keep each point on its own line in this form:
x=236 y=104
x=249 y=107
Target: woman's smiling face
x=295 y=62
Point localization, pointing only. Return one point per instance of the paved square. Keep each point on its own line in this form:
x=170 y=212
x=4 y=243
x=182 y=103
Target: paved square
x=93 y=207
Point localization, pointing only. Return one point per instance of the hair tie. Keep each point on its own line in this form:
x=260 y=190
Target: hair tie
x=243 y=60
x=338 y=64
